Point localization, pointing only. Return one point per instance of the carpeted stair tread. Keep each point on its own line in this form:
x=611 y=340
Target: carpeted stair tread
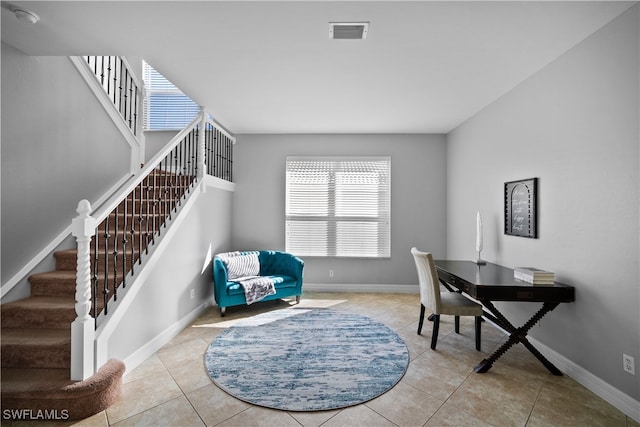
x=39 y=312
x=36 y=348
x=52 y=390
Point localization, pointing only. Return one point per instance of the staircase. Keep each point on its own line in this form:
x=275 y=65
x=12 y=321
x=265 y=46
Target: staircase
x=36 y=353
x=35 y=332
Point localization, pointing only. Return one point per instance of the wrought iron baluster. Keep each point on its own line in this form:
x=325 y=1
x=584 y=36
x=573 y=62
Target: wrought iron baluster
x=115 y=83
x=124 y=243
x=155 y=202
x=115 y=256
x=129 y=115
x=135 y=111
x=223 y=158
x=230 y=178
x=167 y=192
x=133 y=231
x=105 y=285
x=95 y=277
x=186 y=166
x=225 y=148
x=109 y=82
x=208 y=140
x=146 y=240
x=101 y=70
x=120 y=88
x=226 y=159
x=193 y=166
x=124 y=81
x=216 y=154
x=140 y=219
x=181 y=173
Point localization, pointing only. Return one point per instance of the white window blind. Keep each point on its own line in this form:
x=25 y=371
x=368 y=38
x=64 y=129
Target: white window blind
x=338 y=207
x=165 y=107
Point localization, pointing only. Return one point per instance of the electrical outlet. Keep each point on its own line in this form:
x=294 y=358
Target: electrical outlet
x=193 y=293
x=330 y=273
x=628 y=364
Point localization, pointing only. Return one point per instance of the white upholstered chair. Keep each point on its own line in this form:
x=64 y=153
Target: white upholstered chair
x=450 y=303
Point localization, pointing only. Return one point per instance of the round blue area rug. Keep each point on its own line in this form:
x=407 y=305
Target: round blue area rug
x=299 y=359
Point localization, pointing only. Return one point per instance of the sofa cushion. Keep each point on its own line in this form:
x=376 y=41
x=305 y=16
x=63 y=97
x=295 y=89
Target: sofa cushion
x=241 y=264
x=280 y=282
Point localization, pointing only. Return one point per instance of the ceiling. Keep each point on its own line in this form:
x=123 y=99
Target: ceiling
x=270 y=67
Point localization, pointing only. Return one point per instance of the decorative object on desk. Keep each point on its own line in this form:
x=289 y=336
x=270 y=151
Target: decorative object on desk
x=479 y=261
x=520 y=208
x=534 y=275
x=298 y=359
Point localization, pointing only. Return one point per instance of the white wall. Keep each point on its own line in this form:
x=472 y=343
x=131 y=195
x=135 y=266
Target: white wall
x=58 y=147
x=156 y=140
x=574 y=125
x=418 y=169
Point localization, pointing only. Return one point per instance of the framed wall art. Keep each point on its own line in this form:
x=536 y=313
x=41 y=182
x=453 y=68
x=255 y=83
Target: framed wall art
x=520 y=208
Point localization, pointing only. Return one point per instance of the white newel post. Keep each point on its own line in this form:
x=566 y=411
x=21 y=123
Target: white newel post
x=201 y=145
x=83 y=328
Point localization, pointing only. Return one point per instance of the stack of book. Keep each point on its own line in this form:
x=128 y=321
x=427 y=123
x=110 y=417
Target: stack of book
x=534 y=275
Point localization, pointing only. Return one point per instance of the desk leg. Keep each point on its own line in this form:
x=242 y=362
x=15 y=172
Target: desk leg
x=516 y=335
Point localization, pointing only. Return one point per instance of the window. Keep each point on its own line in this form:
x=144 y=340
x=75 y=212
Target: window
x=338 y=207
x=165 y=107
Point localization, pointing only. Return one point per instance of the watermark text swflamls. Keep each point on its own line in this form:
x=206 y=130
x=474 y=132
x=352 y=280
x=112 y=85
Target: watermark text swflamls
x=39 y=414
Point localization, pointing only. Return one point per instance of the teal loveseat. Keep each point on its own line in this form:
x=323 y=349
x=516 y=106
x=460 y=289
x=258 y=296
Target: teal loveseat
x=283 y=268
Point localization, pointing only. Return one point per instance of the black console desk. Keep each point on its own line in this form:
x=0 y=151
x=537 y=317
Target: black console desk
x=491 y=282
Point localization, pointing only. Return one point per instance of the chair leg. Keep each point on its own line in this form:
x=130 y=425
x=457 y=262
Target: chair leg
x=478 y=331
x=421 y=321
x=223 y=311
x=297 y=299
x=436 y=327
x=457 y=324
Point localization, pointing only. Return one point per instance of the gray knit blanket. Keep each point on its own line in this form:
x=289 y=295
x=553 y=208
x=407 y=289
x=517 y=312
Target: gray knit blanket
x=244 y=268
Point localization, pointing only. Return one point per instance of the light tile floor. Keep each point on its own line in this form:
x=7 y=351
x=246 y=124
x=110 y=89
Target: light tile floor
x=172 y=388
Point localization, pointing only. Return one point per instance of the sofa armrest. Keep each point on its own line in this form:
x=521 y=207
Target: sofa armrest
x=219 y=277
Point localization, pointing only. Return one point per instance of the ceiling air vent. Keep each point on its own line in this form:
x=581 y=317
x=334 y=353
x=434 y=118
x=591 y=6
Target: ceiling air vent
x=348 y=30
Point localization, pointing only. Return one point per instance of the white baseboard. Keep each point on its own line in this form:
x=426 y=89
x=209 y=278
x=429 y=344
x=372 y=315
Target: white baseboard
x=623 y=402
x=150 y=348
x=374 y=288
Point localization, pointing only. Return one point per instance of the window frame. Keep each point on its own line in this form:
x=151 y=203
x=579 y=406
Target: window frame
x=335 y=165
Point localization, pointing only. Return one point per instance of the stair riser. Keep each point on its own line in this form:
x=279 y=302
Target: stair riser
x=20 y=317
x=144 y=206
x=68 y=261
x=36 y=356
x=158 y=219
x=65 y=287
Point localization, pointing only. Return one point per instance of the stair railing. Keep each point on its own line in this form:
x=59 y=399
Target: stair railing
x=121 y=85
x=113 y=239
x=112 y=80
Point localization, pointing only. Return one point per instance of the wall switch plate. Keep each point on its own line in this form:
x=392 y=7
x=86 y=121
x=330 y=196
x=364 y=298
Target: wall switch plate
x=330 y=273
x=628 y=364
x=193 y=293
